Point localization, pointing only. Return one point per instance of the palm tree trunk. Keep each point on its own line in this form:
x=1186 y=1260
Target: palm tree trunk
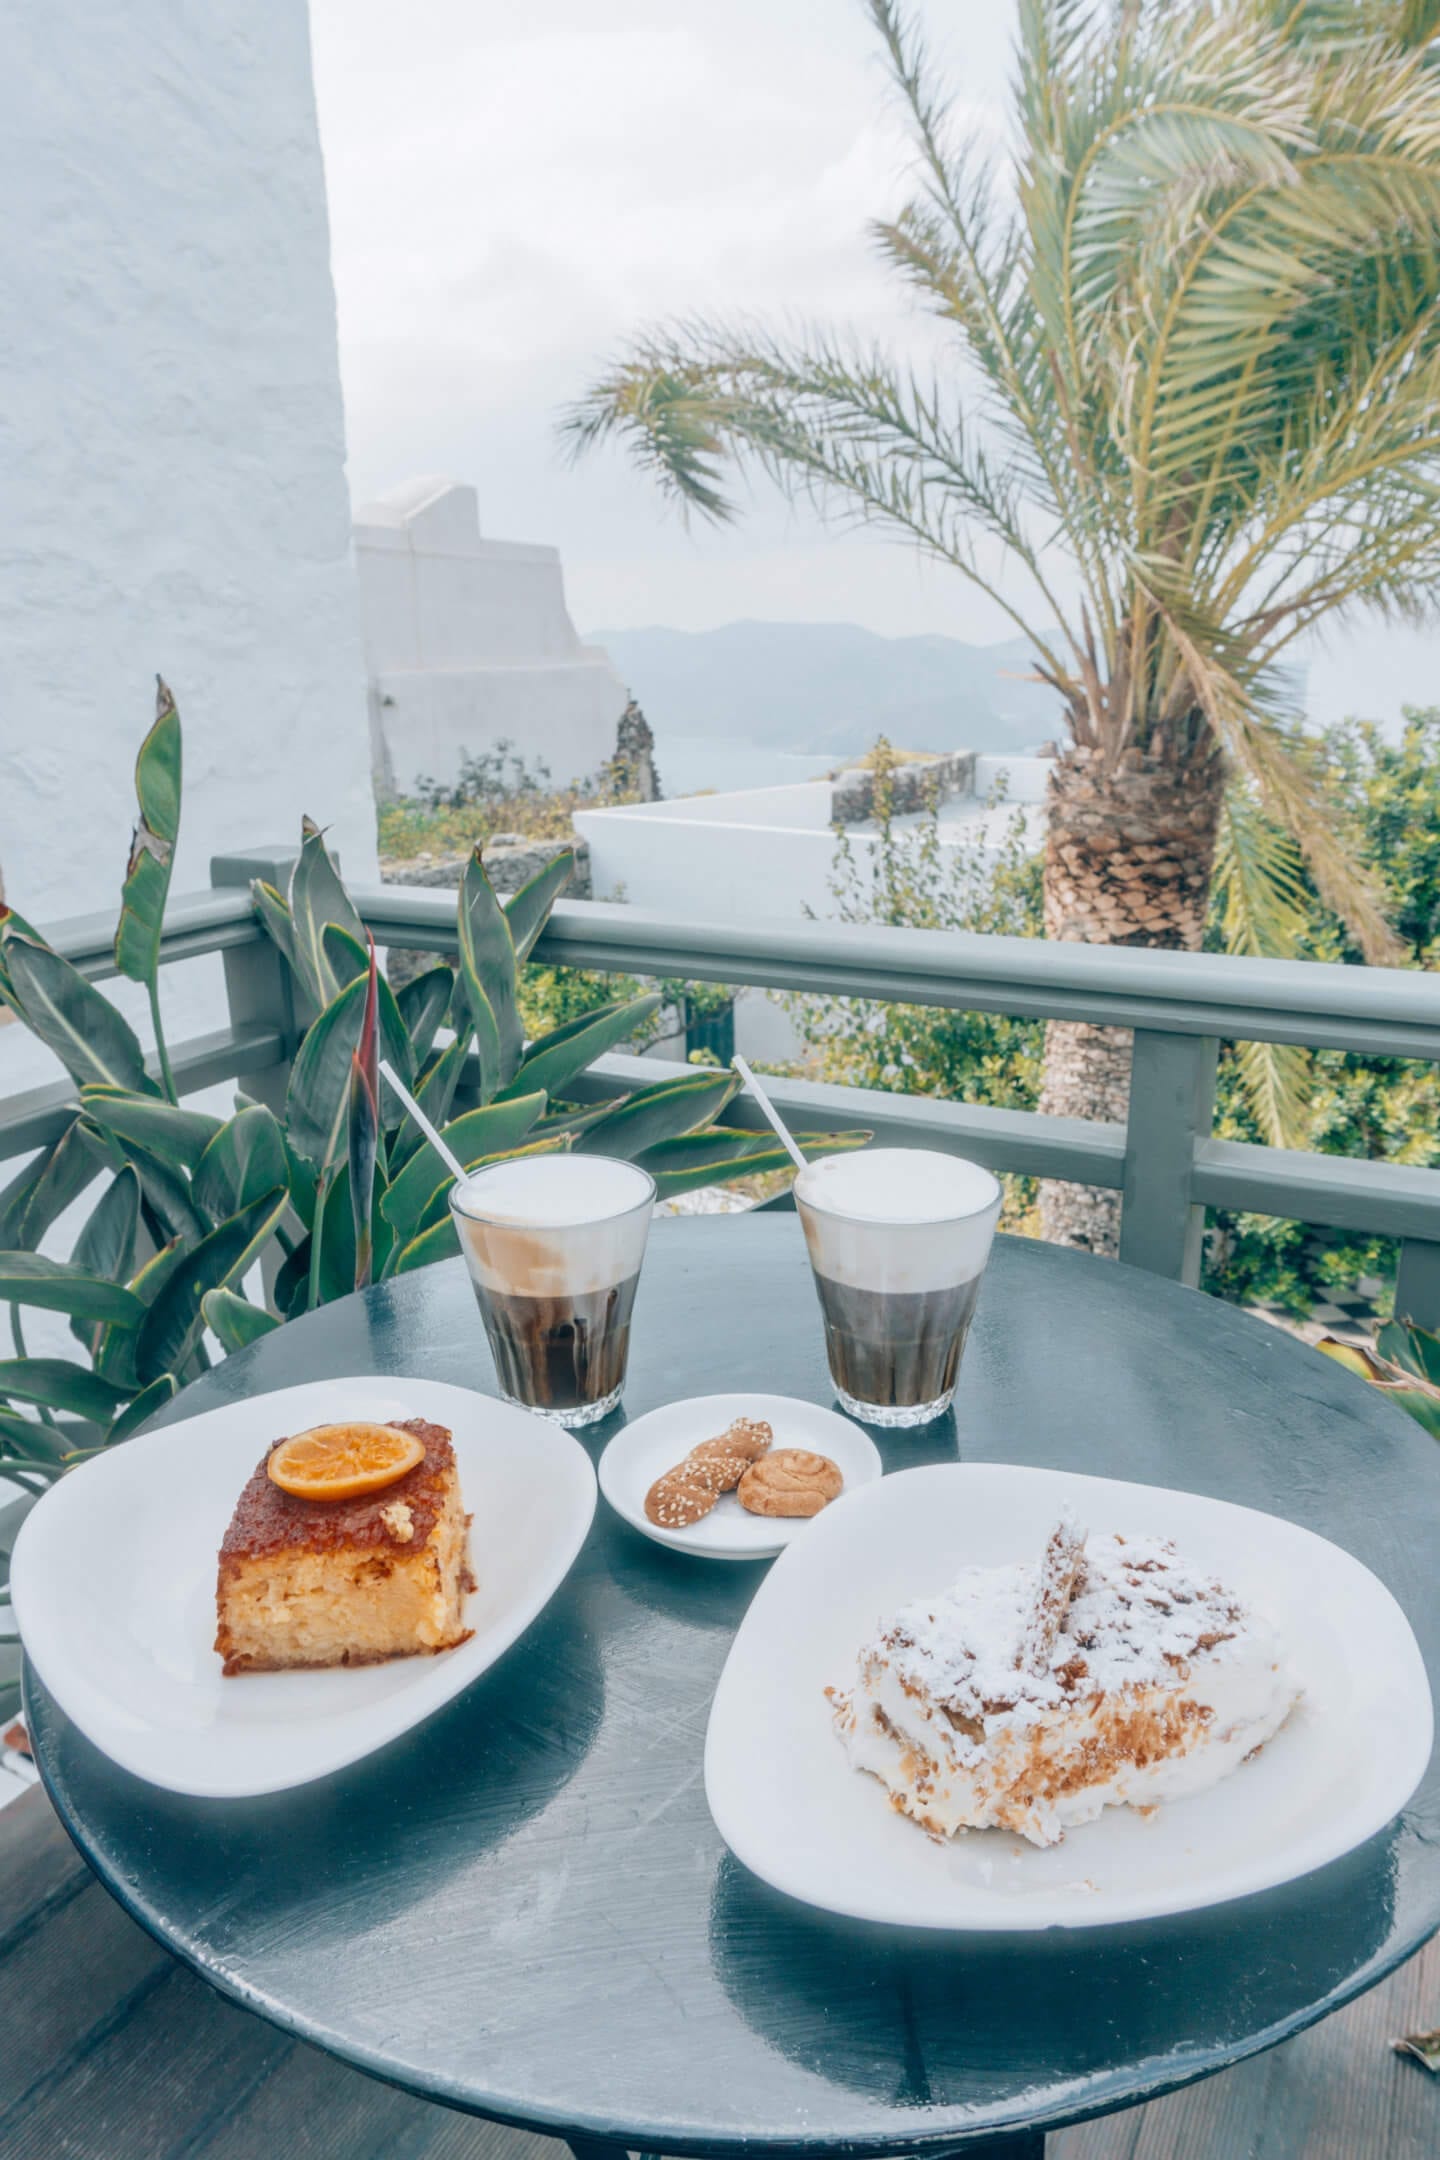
x=1128 y=858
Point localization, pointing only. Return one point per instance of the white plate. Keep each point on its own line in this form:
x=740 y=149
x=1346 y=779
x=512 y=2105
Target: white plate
x=789 y=1806
x=644 y=1451
x=113 y=1578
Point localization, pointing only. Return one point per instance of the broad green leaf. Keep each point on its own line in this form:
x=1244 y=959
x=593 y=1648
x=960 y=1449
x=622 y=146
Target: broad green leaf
x=366 y=1141
x=245 y=1158
x=317 y=897
x=106 y=1244
x=437 y=1243
x=274 y=912
x=554 y=1061
x=320 y=1075
x=665 y=1112
x=528 y=910
x=346 y=955
x=166 y=1190
x=152 y=851
x=35 y=1199
x=439 y=1202
x=234 y=1321
x=487 y=978
x=435 y=1092
x=91 y=1039
x=143 y=1408
x=114 y=1352
x=423 y=1003
x=30 y=1438
x=292 y=1281
x=12 y=920
x=174 y=1323
x=332 y=1265
x=28 y=1278
x=714 y=1157
x=177 y=1137
x=59 y=1385
x=488 y=1131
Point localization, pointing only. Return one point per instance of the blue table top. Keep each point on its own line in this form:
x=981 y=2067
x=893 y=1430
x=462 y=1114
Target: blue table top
x=525 y=1910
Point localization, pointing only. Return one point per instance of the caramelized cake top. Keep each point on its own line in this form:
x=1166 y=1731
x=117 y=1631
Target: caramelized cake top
x=267 y=1520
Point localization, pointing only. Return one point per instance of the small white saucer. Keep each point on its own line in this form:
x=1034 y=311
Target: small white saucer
x=653 y=1444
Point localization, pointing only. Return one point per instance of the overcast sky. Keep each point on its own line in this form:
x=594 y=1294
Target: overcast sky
x=512 y=190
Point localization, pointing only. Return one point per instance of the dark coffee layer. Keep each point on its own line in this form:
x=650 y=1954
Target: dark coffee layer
x=895 y=1348
x=560 y=1353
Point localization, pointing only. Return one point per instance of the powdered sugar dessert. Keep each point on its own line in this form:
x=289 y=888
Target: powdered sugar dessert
x=1028 y=1698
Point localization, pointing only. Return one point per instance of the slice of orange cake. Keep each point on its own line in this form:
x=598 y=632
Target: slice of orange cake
x=1028 y=1698
x=377 y=1569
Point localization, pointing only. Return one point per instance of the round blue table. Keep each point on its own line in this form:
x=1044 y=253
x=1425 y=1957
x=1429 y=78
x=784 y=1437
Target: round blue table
x=524 y=1909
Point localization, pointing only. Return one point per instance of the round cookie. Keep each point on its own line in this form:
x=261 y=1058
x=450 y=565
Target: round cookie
x=792 y=1481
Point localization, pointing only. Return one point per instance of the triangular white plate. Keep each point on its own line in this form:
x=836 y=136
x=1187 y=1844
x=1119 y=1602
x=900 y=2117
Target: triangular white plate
x=113 y=1578
x=788 y=1804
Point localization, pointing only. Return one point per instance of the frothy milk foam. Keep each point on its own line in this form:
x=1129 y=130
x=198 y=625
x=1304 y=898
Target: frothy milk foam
x=599 y=1203
x=898 y=1219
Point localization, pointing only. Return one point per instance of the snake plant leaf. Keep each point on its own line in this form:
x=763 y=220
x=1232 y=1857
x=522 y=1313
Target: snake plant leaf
x=274 y=913
x=178 y=1137
x=234 y=1321
x=528 y=910
x=556 y=1058
x=317 y=898
x=666 y=1112
x=175 y=1321
x=435 y=1092
x=244 y=1159
x=423 y=1002
x=93 y=1041
x=1412 y=1348
x=366 y=1141
x=440 y=1242
x=152 y=850
x=704 y=1158
x=478 y=1135
x=43 y=1190
x=105 y=1245
x=316 y=1097
x=28 y=1278
x=143 y=1408
x=438 y=1204
x=487 y=979
x=59 y=1385
x=345 y=954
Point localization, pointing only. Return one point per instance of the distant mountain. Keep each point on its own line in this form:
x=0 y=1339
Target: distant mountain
x=831 y=687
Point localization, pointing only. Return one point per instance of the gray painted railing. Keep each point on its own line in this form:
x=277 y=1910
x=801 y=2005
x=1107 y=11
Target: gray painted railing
x=1164 y=1161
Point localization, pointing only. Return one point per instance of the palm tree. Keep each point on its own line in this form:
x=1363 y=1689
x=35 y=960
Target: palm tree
x=1194 y=411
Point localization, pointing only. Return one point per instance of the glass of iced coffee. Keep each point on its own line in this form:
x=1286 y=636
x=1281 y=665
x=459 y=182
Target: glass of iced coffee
x=898 y=1240
x=554 y=1245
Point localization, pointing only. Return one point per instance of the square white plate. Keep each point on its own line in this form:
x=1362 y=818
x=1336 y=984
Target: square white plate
x=113 y=1578
x=789 y=1806
x=644 y=1451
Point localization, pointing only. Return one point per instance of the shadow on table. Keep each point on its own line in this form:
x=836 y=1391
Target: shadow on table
x=914 y=2019
x=423 y=1809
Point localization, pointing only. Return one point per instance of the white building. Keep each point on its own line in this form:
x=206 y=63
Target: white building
x=771 y=852
x=468 y=642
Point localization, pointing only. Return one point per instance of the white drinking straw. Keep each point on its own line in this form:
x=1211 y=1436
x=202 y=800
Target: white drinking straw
x=768 y=1107
x=447 y=1155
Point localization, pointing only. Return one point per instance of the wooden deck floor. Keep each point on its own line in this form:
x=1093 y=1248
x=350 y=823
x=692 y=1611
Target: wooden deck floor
x=111 y=2051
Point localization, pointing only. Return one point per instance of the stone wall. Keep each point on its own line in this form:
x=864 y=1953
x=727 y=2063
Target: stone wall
x=914 y=786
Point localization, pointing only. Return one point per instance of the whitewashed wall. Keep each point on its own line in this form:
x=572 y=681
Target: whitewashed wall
x=173 y=451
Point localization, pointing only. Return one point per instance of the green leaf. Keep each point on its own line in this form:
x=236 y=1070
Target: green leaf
x=366 y=1140
x=320 y=1075
x=244 y=1159
x=91 y=1039
x=435 y=1092
x=106 y=1244
x=440 y=1242
x=528 y=910
x=28 y=1278
x=423 y=1003
x=292 y=1283
x=166 y=1189
x=274 y=913
x=487 y=978
x=114 y=1353
x=318 y=898
x=176 y=1137
x=345 y=955
x=152 y=851
x=1412 y=1348
x=59 y=1385
x=234 y=1321
x=173 y=1325
x=665 y=1112
x=714 y=1157
x=35 y=1199
x=488 y=1131
x=143 y=1408
x=554 y=1061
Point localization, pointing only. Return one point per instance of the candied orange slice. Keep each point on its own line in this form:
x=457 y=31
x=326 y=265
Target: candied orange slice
x=340 y=1462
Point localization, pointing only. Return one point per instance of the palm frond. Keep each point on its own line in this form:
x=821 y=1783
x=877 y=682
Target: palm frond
x=1260 y=893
